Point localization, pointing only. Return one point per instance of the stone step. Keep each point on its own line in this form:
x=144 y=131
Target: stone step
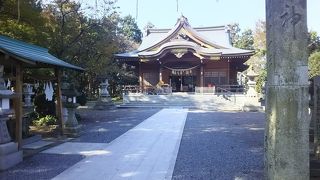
x=214 y=108
x=38 y=146
x=31 y=139
x=210 y=102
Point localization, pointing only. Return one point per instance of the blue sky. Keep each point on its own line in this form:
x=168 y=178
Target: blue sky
x=163 y=13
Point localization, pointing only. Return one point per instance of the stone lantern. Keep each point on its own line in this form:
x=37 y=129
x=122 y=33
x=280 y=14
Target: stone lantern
x=103 y=90
x=251 y=83
x=27 y=92
x=251 y=102
x=69 y=96
x=104 y=96
x=9 y=153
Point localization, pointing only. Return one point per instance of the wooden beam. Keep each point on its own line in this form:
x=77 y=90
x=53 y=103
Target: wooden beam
x=18 y=104
x=59 y=102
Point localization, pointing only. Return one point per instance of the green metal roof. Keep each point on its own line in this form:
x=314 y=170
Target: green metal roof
x=32 y=53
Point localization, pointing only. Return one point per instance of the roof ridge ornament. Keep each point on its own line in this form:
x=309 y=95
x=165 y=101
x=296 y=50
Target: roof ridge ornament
x=183 y=20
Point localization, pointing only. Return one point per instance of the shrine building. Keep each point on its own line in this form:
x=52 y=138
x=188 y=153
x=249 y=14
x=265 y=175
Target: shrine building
x=185 y=58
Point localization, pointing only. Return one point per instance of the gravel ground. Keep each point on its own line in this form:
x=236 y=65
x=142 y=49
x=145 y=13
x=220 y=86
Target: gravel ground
x=105 y=126
x=98 y=127
x=221 y=145
x=40 y=166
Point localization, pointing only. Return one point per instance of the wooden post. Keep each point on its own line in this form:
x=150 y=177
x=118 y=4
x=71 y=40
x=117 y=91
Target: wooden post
x=140 y=76
x=228 y=73
x=201 y=75
x=287 y=115
x=160 y=72
x=18 y=104
x=59 y=102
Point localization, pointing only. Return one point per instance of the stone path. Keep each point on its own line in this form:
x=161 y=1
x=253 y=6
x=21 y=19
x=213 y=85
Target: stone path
x=147 y=151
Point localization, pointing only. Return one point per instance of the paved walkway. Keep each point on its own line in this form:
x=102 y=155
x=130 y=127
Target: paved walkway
x=143 y=144
x=147 y=151
x=221 y=146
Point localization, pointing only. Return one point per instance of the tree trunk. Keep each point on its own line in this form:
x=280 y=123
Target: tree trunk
x=287 y=125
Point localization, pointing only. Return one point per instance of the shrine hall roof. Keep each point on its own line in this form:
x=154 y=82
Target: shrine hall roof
x=31 y=54
x=208 y=41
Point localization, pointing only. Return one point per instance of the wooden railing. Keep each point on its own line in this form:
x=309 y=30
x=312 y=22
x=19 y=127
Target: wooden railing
x=150 y=90
x=220 y=89
x=231 y=88
x=204 y=90
x=226 y=94
x=166 y=89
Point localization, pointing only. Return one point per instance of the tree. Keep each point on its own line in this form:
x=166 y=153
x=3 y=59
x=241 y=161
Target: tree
x=259 y=36
x=130 y=29
x=234 y=31
x=69 y=33
x=314 y=64
x=27 y=24
x=245 y=41
x=314 y=42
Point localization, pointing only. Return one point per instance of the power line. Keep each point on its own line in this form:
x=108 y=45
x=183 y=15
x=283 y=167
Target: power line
x=137 y=6
x=177 y=5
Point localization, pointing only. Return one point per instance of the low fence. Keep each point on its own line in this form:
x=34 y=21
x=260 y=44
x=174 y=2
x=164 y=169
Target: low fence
x=220 y=89
x=150 y=90
x=166 y=89
x=205 y=90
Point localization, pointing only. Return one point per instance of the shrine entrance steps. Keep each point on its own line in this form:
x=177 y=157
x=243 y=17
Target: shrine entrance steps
x=185 y=100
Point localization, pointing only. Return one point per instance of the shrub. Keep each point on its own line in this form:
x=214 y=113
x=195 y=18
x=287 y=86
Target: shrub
x=314 y=64
x=261 y=79
x=45 y=121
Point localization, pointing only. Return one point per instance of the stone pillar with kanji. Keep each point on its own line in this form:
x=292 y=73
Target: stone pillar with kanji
x=287 y=88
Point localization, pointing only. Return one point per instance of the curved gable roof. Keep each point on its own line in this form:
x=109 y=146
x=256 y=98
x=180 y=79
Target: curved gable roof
x=157 y=37
x=208 y=41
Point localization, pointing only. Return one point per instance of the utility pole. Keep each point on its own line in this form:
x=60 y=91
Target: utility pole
x=287 y=115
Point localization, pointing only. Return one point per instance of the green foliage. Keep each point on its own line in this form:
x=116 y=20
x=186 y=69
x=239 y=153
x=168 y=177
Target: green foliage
x=45 y=121
x=245 y=41
x=234 y=31
x=260 y=39
x=89 y=41
x=130 y=29
x=261 y=79
x=314 y=42
x=28 y=25
x=258 y=60
x=314 y=64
